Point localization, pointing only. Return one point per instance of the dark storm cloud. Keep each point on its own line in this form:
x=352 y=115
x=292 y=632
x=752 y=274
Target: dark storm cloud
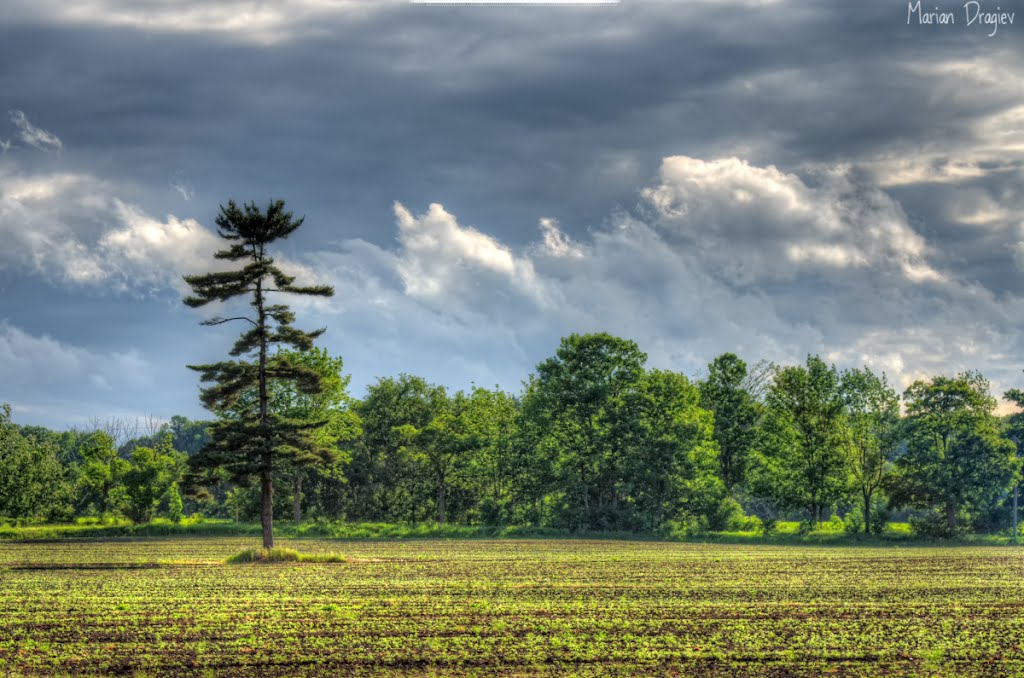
x=508 y=115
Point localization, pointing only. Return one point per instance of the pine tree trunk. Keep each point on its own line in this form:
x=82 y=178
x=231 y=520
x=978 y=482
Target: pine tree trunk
x=267 y=494
x=297 y=496
x=867 y=513
x=267 y=510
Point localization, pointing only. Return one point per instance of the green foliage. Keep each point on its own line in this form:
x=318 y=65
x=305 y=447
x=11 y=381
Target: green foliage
x=597 y=444
x=384 y=477
x=933 y=523
x=684 y=527
x=1015 y=422
x=493 y=465
x=331 y=407
x=187 y=436
x=752 y=524
x=872 y=436
x=854 y=521
x=283 y=555
x=175 y=508
x=274 y=555
x=101 y=474
x=956 y=461
x=150 y=476
x=459 y=448
x=670 y=460
x=801 y=462
x=728 y=516
x=737 y=416
x=32 y=480
x=572 y=407
x=614 y=446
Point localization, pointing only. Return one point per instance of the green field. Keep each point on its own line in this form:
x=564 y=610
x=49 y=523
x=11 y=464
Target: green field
x=511 y=607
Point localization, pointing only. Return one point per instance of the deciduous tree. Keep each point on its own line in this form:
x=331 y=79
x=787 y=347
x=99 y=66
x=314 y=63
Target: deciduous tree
x=669 y=459
x=737 y=415
x=385 y=479
x=872 y=432
x=572 y=404
x=31 y=477
x=151 y=473
x=801 y=461
x=956 y=461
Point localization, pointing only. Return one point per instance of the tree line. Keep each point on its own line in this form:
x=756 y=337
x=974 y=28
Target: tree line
x=595 y=440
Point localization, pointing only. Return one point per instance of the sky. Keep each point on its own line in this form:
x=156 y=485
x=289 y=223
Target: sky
x=771 y=178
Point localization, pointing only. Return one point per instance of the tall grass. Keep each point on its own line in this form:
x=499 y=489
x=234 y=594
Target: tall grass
x=787 y=533
x=283 y=555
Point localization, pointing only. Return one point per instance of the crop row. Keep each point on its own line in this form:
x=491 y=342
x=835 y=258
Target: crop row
x=150 y=607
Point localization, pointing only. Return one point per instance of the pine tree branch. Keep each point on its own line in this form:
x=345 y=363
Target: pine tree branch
x=313 y=290
x=220 y=321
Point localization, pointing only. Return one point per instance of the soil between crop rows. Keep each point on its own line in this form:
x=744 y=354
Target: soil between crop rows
x=171 y=607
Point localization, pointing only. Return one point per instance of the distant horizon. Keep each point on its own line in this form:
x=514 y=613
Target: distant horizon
x=768 y=179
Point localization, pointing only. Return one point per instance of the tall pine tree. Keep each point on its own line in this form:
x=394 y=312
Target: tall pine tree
x=256 y=443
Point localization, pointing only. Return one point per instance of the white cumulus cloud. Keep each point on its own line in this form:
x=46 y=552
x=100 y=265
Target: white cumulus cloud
x=458 y=268
x=753 y=223
x=71 y=228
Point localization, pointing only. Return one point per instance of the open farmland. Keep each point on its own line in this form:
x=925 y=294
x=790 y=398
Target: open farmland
x=167 y=606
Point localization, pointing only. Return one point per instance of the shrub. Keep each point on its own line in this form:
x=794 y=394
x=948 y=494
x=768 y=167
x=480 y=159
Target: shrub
x=769 y=526
x=853 y=523
x=727 y=516
x=683 y=527
x=276 y=555
x=932 y=523
x=880 y=515
x=807 y=526
x=283 y=555
x=175 y=508
x=751 y=524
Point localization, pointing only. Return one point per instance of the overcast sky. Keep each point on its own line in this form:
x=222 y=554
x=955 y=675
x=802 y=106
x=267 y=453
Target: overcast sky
x=768 y=178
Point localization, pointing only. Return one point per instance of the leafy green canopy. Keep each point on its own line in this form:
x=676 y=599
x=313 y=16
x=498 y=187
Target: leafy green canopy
x=872 y=434
x=616 y=446
x=800 y=463
x=384 y=468
x=737 y=416
x=31 y=476
x=956 y=461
